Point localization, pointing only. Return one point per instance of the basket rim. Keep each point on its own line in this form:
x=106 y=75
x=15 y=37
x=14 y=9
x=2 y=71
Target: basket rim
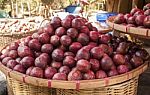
x=81 y=84
x=135 y=31
x=16 y=33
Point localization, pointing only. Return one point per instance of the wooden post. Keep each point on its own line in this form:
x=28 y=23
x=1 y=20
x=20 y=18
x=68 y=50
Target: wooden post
x=22 y=8
x=124 y=6
x=29 y=9
x=16 y=8
x=120 y=6
x=112 y=5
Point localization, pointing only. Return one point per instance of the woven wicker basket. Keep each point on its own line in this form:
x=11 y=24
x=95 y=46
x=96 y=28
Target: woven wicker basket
x=117 y=85
x=134 y=31
x=19 y=88
x=125 y=88
x=7 y=38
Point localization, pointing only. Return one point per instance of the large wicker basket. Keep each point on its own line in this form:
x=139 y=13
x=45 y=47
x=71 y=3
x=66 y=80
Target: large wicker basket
x=117 y=85
x=134 y=31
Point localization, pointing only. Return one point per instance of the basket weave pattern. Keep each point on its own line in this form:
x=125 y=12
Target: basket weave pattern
x=126 y=88
x=19 y=88
x=135 y=31
x=6 y=38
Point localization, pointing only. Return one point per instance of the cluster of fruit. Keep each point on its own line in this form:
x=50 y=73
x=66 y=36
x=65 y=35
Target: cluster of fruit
x=18 y=26
x=136 y=18
x=72 y=49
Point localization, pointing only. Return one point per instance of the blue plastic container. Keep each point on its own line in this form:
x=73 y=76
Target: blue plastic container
x=102 y=17
x=73 y=9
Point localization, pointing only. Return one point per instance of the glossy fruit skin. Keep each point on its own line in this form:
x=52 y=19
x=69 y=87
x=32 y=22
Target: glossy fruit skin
x=75 y=75
x=47 y=48
x=60 y=31
x=146 y=7
x=56 y=22
x=60 y=76
x=147 y=12
x=75 y=46
x=122 y=69
x=42 y=61
x=131 y=20
x=147 y=22
x=83 y=65
x=11 y=63
x=37 y=72
x=13 y=46
x=77 y=23
x=119 y=59
x=69 y=54
x=34 y=44
x=65 y=40
x=13 y=54
x=19 y=68
x=56 y=64
x=44 y=38
x=119 y=19
x=58 y=55
x=28 y=71
x=136 y=61
x=49 y=72
x=24 y=51
x=94 y=36
x=97 y=52
x=72 y=32
x=113 y=72
x=66 y=23
x=5 y=60
x=134 y=10
x=126 y=16
x=83 y=38
x=100 y=74
x=64 y=69
x=84 y=29
x=106 y=63
x=69 y=61
x=95 y=64
x=89 y=75
x=140 y=19
x=27 y=61
x=82 y=54
x=49 y=29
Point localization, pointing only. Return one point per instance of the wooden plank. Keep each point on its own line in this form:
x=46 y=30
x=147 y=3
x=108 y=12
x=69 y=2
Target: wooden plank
x=138 y=3
x=124 y=6
x=112 y=5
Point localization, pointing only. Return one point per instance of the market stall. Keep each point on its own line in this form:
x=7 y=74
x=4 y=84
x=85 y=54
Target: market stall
x=65 y=53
